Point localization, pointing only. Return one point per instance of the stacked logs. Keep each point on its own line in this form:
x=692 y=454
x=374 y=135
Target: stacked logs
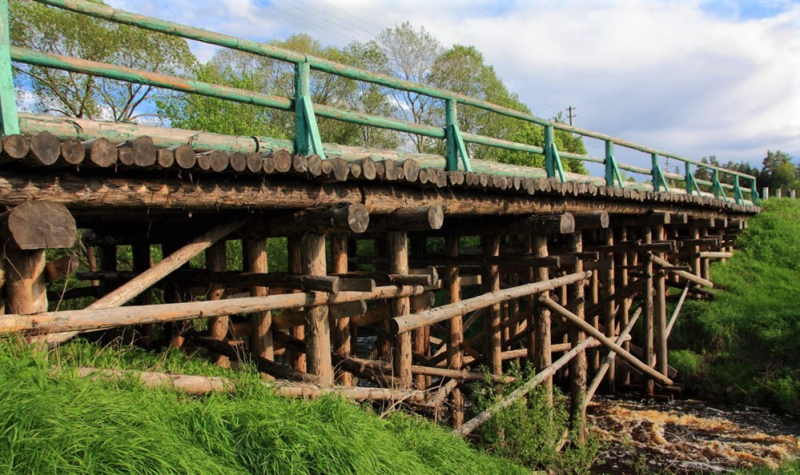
x=44 y=149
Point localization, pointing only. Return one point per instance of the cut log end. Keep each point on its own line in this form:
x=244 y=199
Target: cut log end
x=41 y=225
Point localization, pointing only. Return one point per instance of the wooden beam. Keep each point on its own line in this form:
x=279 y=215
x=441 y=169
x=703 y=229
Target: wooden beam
x=446 y=312
x=409 y=219
x=254 y=257
x=625 y=355
x=609 y=360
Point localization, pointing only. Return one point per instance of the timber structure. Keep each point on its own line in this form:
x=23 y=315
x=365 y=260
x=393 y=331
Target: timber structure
x=558 y=266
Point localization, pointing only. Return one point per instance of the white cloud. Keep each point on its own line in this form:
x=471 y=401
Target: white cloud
x=681 y=76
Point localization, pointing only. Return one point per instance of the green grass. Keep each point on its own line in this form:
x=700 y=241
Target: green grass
x=64 y=424
x=744 y=345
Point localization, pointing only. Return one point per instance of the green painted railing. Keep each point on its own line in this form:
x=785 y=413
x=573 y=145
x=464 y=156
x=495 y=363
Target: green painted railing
x=307 y=136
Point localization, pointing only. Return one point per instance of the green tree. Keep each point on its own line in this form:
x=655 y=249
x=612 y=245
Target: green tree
x=778 y=172
x=56 y=31
x=411 y=54
x=268 y=76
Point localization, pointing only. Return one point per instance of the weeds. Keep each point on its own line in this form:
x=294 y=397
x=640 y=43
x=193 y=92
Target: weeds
x=530 y=431
x=55 y=422
x=743 y=346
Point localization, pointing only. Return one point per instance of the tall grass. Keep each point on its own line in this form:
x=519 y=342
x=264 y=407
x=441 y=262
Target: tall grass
x=745 y=345
x=69 y=425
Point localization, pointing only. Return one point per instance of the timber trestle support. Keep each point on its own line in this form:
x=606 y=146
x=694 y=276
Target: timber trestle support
x=376 y=275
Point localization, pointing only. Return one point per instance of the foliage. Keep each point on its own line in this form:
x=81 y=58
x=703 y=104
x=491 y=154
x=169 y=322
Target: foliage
x=529 y=430
x=55 y=422
x=56 y=31
x=746 y=338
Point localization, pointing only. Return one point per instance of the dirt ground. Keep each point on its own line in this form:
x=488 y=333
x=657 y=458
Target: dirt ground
x=687 y=436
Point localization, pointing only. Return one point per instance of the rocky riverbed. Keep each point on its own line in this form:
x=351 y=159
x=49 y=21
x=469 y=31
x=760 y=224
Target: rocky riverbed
x=688 y=436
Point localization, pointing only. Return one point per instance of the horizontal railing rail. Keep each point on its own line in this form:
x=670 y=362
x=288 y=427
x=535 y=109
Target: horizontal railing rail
x=307 y=137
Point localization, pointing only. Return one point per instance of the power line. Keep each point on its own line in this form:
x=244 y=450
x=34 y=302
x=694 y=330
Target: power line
x=376 y=27
x=307 y=10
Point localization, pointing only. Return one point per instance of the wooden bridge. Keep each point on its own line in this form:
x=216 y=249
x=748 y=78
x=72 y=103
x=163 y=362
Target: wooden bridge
x=559 y=266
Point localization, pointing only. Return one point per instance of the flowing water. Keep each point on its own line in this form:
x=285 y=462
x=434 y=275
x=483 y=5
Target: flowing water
x=688 y=436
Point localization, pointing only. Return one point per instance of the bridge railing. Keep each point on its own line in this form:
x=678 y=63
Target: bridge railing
x=307 y=137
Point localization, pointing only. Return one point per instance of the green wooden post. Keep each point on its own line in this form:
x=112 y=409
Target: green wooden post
x=657 y=175
x=453 y=141
x=691 y=184
x=737 y=190
x=306 y=133
x=552 y=162
x=9 y=122
x=717 y=186
x=612 y=172
x=754 y=192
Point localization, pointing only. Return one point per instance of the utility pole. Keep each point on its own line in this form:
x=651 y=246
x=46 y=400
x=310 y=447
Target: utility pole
x=570 y=114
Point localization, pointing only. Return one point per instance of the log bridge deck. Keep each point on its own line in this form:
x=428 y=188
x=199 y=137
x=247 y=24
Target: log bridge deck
x=559 y=263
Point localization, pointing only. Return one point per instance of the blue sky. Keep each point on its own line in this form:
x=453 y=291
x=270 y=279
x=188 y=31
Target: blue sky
x=692 y=77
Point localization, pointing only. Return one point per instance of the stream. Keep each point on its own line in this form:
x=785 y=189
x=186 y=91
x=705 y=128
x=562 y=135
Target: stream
x=689 y=436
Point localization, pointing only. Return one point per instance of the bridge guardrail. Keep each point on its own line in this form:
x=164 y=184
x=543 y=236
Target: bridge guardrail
x=307 y=138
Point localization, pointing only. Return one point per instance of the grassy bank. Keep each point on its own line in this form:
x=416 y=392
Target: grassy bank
x=65 y=424
x=744 y=346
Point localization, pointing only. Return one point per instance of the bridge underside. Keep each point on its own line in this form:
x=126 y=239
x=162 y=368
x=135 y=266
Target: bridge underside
x=383 y=247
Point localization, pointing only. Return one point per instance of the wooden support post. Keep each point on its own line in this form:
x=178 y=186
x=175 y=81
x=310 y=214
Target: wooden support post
x=254 y=253
x=577 y=336
x=540 y=319
x=341 y=330
x=217 y=261
x=593 y=354
x=648 y=304
x=397 y=242
x=696 y=269
x=25 y=281
x=492 y=330
x=660 y=310
x=609 y=312
x=318 y=330
x=625 y=258
x=294 y=243
x=455 y=355
x=705 y=272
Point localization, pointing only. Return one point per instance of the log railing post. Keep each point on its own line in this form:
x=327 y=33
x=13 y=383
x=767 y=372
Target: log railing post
x=648 y=304
x=318 y=330
x=397 y=242
x=216 y=261
x=576 y=336
x=609 y=312
x=295 y=266
x=255 y=259
x=660 y=309
x=455 y=356
x=491 y=247
x=341 y=330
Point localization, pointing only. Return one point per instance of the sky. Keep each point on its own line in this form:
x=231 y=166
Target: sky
x=692 y=77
